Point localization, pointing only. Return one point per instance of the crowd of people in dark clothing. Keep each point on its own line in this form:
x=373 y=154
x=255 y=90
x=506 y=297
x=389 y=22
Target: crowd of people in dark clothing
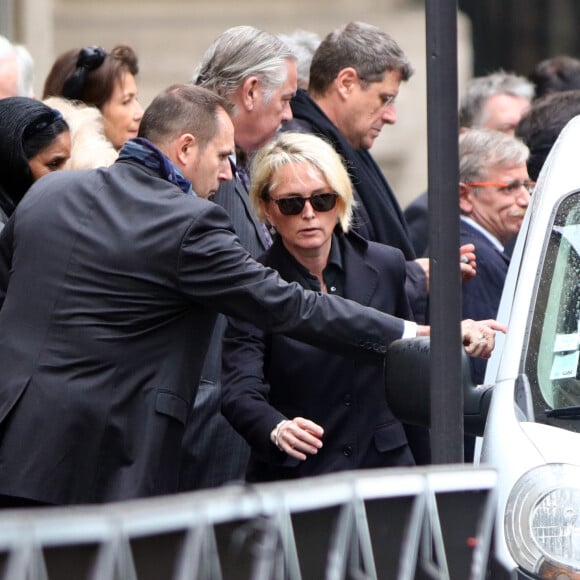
x=206 y=293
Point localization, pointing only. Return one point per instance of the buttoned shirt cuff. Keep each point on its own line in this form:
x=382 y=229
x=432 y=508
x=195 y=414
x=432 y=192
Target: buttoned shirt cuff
x=410 y=329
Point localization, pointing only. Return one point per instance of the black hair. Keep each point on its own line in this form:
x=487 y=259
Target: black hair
x=27 y=126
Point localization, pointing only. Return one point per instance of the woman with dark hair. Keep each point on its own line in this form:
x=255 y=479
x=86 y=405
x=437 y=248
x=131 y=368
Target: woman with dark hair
x=105 y=80
x=34 y=140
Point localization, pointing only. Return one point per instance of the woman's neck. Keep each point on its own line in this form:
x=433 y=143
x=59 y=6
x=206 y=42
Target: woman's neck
x=314 y=260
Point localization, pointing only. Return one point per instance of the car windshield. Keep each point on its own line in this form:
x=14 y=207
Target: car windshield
x=554 y=347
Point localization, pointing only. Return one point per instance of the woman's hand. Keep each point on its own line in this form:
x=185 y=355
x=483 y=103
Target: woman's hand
x=298 y=437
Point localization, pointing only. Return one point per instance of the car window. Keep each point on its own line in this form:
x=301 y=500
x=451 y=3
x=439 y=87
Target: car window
x=552 y=358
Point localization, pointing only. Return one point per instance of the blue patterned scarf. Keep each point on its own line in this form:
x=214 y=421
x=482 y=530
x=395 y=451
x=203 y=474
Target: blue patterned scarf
x=144 y=152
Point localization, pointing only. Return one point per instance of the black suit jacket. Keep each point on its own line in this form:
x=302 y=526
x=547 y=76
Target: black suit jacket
x=417 y=218
x=378 y=216
x=482 y=294
x=234 y=198
x=268 y=378
x=110 y=281
x=213 y=452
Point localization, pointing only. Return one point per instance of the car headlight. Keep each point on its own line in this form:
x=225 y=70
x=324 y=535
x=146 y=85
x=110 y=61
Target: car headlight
x=542 y=521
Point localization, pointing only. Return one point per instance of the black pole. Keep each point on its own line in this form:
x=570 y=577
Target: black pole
x=445 y=301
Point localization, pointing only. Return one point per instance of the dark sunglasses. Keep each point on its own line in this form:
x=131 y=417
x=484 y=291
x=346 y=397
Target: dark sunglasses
x=295 y=204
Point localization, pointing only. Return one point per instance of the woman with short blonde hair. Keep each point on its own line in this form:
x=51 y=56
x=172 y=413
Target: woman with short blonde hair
x=301 y=148
x=305 y=411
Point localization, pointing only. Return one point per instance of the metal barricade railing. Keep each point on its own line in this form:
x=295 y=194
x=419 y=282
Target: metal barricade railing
x=403 y=524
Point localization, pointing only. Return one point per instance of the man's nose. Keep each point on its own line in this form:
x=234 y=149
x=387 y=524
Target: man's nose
x=286 y=113
x=523 y=197
x=389 y=114
x=226 y=171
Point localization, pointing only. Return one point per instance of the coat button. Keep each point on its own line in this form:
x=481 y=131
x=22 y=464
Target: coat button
x=347 y=450
x=347 y=400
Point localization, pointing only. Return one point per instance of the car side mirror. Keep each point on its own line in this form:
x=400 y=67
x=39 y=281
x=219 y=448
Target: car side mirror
x=407 y=386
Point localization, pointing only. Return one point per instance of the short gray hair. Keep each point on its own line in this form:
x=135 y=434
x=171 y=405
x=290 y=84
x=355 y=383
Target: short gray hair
x=481 y=149
x=25 y=65
x=6 y=47
x=303 y=44
x=241 y=52
x=364 y=47
x=480 y=89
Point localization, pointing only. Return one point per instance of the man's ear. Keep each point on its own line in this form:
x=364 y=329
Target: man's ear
x=249 y=92
x=466 y=199
x=185 y=147
x=346 y=80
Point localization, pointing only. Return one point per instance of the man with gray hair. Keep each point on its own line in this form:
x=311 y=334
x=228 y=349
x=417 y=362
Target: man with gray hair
x=494 y=193
x=255 y=72
x=496 y=101
x=303 y=44
x=16 y=70
x=8 y=69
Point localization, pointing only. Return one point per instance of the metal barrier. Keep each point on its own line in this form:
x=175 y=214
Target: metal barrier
x=396 y=523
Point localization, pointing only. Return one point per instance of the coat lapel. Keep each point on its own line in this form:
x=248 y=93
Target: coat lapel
x=361 y=278
x=261 y=229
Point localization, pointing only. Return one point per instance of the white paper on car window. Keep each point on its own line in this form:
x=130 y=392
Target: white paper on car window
x=564 y=366
x=566 y=342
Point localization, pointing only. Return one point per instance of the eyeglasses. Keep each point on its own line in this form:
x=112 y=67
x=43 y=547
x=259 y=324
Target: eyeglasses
x=506 y=187
x=388 y=100
x=294 y=204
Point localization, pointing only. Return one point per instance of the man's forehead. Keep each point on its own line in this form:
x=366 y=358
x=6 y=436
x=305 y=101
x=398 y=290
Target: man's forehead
x=390 y=82
x=224 y=138
x=506 y=167
x=504 y=106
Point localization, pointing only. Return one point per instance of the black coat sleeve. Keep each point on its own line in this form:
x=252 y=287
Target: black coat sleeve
x=214 y=270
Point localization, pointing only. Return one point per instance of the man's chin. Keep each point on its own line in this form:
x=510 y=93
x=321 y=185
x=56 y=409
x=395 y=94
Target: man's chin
x=367 y=143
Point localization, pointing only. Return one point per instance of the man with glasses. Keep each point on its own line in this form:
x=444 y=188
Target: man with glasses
x=496 y=101
x=494 y=193
x=355 y=77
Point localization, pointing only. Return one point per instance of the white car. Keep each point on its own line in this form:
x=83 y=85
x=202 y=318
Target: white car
x=529 y=409
x=532 y=433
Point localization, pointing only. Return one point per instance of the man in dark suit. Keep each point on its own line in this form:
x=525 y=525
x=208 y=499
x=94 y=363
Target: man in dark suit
x=355 y=76
x=110 y=281
x=494 y=193
x=256 y=73
x=496 y=101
